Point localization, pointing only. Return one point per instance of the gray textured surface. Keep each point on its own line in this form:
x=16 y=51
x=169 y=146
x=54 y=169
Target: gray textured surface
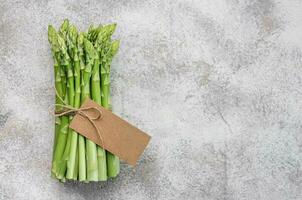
x=217 y=83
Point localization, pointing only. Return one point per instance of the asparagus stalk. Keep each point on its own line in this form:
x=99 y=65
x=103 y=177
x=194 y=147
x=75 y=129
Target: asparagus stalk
x=71 y=41
x=60 y=163
x=66 y=61
x=81 y=139
x=91 y=150
x=112 y=160
x=62 y=131
x=96 y=96
x=107 y=50
x=52 y=38
x=62 y=34
x=58 y=84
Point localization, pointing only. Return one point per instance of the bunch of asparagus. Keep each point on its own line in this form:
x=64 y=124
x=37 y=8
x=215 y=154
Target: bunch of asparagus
x=82 y=70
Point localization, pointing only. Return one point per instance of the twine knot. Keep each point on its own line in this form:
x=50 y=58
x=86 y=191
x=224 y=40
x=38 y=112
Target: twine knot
x=69 y=110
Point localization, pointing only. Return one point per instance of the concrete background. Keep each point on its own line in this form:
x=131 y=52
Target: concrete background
x=217 y=83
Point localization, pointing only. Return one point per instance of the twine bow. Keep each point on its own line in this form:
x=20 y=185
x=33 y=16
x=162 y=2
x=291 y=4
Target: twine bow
x=69 y=110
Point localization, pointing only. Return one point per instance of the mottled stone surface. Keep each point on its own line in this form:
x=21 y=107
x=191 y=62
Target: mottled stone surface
x=217 y=83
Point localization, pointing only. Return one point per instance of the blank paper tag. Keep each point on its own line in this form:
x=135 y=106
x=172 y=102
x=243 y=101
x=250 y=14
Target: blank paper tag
x=119 y=137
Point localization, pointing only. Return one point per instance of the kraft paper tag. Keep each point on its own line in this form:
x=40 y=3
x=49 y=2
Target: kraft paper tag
x=118 y=136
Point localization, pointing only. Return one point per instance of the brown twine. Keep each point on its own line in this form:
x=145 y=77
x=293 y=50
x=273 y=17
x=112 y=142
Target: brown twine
x=69 y=110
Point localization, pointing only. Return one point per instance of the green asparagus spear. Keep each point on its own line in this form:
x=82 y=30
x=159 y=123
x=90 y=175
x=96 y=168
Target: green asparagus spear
x=72 y=50
x=62 y=130
x=112 y=160
x=106 y=51
x=52 y=38
x=67 y=63
x=91 y=150
x=62 y=33
x=81 y=139
x=96 y=96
